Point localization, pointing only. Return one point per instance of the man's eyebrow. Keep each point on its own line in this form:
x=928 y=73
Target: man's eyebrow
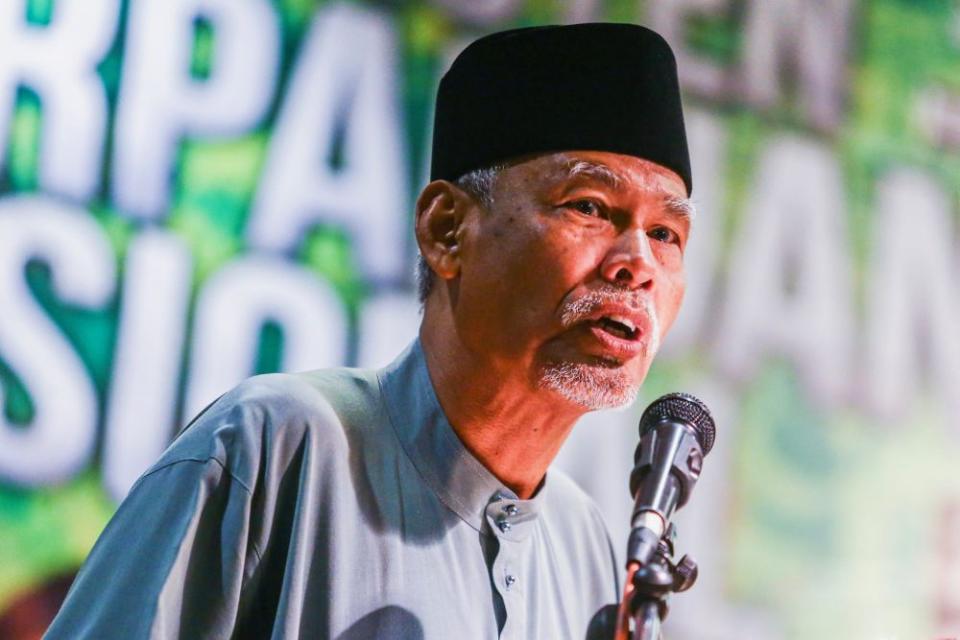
x=682 y=207
x=676 y=205
x=599 y=172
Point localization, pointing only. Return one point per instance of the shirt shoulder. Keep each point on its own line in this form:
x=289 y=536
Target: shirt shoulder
x=274 y=419
x=577 y=524
x=568 y=501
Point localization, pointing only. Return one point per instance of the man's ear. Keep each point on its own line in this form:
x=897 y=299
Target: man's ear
x=440 y=210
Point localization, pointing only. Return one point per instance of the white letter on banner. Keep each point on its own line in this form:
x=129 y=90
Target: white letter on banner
x=232 y=309
x=912 y=296
x=141 y=410
x=160 y=102
x=788 y=289
x=697 y=72
x=389 y=321
x=343 y=82
x=60 y=439
x=483 y=12
x=59 y=62
x=811 y=37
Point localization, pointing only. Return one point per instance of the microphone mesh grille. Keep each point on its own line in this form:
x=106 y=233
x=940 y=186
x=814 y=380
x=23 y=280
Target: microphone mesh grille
x=685 y=407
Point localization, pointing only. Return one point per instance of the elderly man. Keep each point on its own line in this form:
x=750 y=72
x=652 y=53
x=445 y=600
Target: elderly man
x=415 y=501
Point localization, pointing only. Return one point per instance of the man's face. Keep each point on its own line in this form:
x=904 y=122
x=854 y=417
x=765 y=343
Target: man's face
x=576 y=272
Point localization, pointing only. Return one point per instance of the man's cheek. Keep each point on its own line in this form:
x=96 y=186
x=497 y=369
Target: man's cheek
x=668 y=255
x=669 y=307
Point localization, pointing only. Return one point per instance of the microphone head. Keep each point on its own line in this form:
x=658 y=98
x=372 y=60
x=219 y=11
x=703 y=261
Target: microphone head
x=683 y=407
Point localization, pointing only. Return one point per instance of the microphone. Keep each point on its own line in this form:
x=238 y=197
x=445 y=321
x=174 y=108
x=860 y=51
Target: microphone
x=676 y=432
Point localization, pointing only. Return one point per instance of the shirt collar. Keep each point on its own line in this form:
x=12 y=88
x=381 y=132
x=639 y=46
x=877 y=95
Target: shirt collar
x=460 y=481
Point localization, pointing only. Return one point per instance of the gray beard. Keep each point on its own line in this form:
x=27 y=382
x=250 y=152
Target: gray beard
x=590 y=386
x=595 y=387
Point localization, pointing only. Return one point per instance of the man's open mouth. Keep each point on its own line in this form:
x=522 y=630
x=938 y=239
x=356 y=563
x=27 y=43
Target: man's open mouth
x=618 y=327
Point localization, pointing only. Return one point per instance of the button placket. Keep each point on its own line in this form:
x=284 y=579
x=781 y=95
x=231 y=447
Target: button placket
x=512 y=589
x=509 y=577
x=511 y=524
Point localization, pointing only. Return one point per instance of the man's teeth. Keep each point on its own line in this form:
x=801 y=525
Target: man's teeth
x=619 y=326
x=625 y=322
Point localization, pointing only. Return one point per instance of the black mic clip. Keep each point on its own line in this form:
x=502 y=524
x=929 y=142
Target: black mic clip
x=658 y=578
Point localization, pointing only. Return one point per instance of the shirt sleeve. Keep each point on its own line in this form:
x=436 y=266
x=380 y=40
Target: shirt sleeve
x=170 y=564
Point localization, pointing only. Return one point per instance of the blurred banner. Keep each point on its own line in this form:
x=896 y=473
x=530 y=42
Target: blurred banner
x=195 y=191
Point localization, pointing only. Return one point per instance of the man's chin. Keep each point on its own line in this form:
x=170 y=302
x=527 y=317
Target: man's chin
x=593 y=386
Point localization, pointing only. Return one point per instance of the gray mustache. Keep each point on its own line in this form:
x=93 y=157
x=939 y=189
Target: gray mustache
x=574 y=311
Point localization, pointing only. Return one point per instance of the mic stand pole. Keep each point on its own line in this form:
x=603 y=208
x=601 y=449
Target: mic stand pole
x=651 y=584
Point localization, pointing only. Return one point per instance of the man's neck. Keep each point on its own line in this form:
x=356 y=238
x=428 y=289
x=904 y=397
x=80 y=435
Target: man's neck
x=513 y=430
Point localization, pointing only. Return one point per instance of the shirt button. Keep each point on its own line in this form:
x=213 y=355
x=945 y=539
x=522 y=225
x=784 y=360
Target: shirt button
x=504 y=525
x=511 y=580
x=511 y=509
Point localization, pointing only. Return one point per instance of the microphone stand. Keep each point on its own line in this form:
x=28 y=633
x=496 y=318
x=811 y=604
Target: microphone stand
x=676 y=432
x=645 y=594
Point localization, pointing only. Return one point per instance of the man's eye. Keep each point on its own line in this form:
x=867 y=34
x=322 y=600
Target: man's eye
x=586 y=207
x=663 y=234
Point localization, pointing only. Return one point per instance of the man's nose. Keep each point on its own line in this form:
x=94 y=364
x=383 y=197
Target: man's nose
x=630 y=262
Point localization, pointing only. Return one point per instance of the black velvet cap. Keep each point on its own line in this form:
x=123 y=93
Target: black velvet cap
x=597 y=87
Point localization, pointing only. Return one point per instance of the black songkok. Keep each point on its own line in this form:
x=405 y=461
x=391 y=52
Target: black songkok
x=596 y=87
